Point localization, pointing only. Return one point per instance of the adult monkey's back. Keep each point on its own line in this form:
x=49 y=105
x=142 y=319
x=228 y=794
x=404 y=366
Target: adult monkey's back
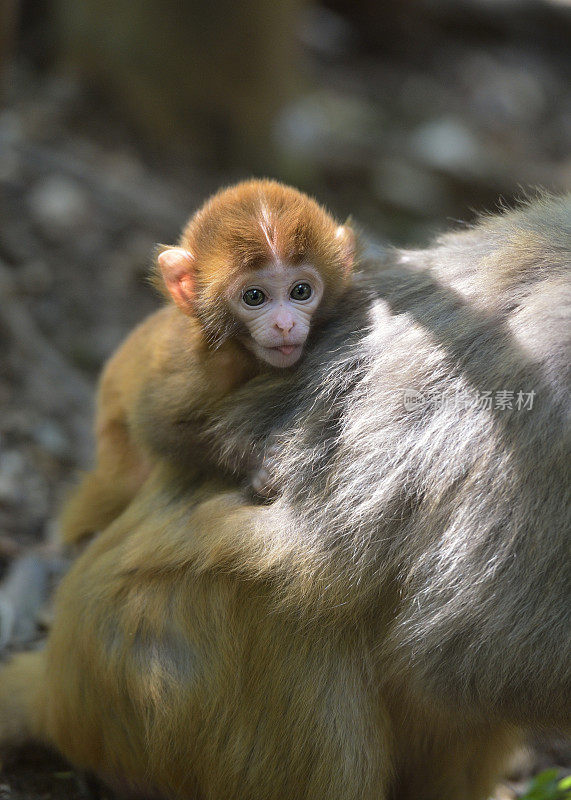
x=433 y=455
x=382 y=627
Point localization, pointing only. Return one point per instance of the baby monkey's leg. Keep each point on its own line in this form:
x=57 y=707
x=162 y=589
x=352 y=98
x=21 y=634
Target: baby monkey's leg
x=104 y=493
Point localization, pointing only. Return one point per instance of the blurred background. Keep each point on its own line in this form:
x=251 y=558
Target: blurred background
x=119 y=117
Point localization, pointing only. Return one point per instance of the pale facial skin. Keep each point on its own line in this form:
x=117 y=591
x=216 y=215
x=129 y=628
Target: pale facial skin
x=276 y=304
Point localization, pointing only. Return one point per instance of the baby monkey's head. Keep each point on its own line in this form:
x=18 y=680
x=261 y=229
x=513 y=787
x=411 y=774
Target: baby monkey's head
x=261 y=262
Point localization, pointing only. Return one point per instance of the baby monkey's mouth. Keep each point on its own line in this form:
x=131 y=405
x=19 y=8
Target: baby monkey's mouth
x=279 y=355
x=282 y=355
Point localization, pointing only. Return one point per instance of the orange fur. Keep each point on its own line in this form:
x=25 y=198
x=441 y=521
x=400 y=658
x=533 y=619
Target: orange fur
x=175 y=365
x=167 y=352
x=168 y=672
x=247 y=225
x=381 y=630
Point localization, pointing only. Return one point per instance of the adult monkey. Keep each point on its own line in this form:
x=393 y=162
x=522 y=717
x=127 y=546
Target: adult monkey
x=389 y=623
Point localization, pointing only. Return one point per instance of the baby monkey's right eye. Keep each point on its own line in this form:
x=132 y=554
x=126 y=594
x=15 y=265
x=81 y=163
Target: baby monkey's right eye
x=253 y=297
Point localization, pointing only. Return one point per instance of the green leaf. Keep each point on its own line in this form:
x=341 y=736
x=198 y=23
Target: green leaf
x=548 y=786
x=564 y=787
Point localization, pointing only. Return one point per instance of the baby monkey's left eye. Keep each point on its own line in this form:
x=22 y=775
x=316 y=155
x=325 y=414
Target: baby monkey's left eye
x=301 y=291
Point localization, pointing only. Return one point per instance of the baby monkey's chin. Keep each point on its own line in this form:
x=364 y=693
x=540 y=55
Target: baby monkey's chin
x=280 y=357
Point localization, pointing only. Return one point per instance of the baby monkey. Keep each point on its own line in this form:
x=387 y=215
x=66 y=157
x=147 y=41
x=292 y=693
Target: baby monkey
x=257 y=268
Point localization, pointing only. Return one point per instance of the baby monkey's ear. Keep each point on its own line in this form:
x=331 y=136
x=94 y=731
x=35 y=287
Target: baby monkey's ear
x=177 y=269
x=348 y=241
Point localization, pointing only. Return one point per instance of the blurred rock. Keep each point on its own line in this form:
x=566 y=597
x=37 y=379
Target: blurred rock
x=64 y=90
x=326 y=33
x=59 y=206
x=12 y=470
x=329 y=126
x=11 y=129
x=449 y=145
x=408 y=187
x=9 y=165
x=52 y=439
x=504 y=93
x=421 y=96
x=121 y=168
x=35 y=277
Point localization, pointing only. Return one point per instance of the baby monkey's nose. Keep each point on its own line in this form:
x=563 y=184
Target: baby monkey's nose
x=284 y=322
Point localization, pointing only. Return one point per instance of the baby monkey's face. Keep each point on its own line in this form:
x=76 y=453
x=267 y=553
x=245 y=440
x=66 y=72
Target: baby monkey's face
x=276 y=304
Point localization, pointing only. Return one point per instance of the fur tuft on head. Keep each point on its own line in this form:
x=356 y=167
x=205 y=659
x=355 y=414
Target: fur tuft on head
x=250 y=225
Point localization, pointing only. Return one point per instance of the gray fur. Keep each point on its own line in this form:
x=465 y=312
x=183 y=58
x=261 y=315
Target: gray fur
x=458 y=519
